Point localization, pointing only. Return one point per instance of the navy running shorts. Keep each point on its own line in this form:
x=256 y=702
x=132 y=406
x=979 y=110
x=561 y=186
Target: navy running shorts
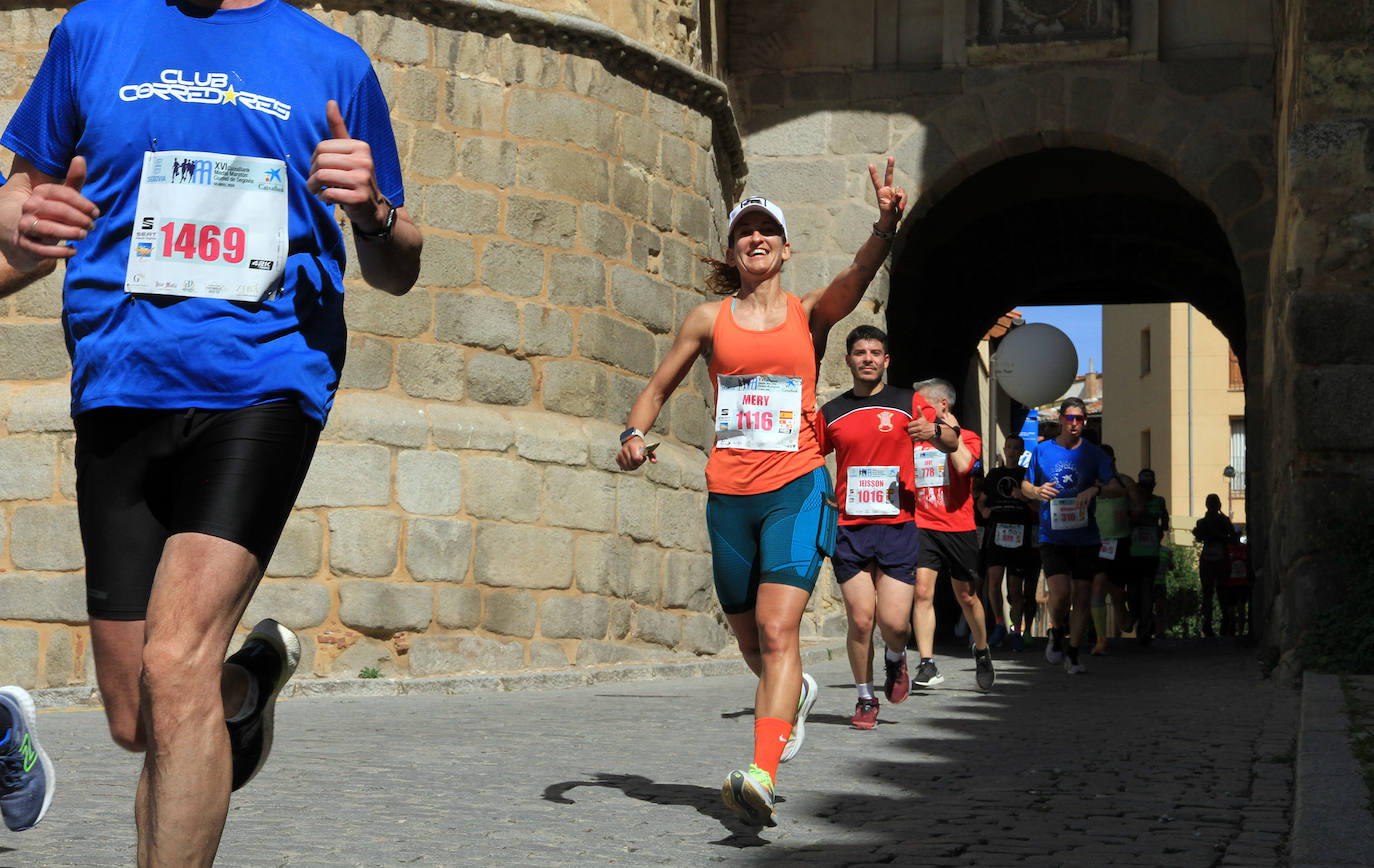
x=779 y=536
x=143 y=475
x=893 y=547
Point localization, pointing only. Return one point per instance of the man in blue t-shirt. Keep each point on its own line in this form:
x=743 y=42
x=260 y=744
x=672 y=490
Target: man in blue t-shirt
x=1065 y=476
x=186 y=159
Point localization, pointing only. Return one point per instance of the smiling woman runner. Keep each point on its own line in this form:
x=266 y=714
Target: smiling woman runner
x=771 y=509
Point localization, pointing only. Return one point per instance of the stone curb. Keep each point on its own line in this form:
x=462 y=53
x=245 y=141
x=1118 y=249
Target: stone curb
x=66 y=697
x=1332 y=824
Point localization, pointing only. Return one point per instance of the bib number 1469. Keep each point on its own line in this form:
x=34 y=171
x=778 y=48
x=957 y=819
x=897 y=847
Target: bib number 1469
x=205 y=241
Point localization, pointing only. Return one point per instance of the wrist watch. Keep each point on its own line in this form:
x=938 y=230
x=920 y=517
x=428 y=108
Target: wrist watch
x=384 y=233
x=630 y=432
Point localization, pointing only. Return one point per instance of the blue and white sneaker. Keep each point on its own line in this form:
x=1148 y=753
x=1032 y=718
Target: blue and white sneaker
x=26 y=775
x=808 y=698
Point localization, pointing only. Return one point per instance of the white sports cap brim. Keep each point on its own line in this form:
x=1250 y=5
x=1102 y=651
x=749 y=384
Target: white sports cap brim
x=756 y=203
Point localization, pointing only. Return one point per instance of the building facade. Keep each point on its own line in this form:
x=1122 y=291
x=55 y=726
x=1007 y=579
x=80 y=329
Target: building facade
x=1175 y=407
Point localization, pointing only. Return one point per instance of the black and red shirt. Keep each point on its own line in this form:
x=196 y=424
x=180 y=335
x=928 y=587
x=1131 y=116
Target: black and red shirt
x=872 y=447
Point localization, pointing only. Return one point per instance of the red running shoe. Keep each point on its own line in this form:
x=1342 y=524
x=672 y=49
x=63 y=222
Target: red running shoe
x=865 y=714
x=898 y=684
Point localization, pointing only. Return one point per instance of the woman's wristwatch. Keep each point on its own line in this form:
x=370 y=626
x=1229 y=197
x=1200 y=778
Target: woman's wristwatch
x=630 y=432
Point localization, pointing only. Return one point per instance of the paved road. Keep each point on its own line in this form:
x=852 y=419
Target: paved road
x=1177 y=756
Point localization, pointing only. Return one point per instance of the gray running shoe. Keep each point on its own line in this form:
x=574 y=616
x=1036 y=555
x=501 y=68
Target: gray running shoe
x=26 y=774
x=927 y=674
x=982 y=660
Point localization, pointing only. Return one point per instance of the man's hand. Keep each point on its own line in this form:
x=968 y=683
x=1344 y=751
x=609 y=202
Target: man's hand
x=53 y=214
x=920 y=430
x=1047 y=491
x=342 y=173
x=1085 y=497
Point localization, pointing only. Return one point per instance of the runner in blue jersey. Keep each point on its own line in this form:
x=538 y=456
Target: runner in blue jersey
x=186 y=158
x=1065 y=475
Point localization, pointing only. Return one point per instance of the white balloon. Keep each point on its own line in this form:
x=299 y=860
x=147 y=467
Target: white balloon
x=1035 y=363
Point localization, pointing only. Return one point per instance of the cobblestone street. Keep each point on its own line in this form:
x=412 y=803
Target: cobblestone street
x=1180 y=755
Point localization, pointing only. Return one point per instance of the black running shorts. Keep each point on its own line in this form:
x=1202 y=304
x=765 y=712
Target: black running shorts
x=952 y=551
x=143 y=475
x=1079 y=563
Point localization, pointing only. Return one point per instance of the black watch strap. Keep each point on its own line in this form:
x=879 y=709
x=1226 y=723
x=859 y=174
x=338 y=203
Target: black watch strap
x=385 y=232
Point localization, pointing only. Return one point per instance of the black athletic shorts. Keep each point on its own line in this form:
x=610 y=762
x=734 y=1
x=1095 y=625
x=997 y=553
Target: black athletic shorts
x=1119 y=569
x=1017 y=559
x=1079 y=563
x=953 y=550
x=143 y=475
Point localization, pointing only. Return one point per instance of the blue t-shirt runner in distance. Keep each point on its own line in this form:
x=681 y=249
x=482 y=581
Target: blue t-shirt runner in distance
x=1071 y=471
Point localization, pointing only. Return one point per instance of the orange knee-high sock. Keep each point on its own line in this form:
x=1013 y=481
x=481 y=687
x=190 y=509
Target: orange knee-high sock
x=770 y=737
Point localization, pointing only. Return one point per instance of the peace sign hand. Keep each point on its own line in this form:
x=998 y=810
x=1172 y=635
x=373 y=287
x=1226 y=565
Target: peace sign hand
x=891 y=200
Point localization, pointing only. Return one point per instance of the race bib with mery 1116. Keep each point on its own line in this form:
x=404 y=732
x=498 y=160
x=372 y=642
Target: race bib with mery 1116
x=758 y=411
x=209 y=226
x=871 y=491
x=1066 y=514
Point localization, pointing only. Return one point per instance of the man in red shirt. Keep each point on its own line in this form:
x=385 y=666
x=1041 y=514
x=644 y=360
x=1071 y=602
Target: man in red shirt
x=949 y=539
x=870 y=428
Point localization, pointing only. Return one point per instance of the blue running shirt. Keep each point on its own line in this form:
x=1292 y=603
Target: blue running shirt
x=123 y=77
x=1071 y=470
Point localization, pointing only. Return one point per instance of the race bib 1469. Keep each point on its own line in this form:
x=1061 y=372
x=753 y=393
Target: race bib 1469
x=208 y=226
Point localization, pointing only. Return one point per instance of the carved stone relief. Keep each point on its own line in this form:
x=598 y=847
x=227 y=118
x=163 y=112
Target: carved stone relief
x=1052 y=20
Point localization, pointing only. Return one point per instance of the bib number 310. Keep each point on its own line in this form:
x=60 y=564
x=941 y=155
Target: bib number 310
x=204 y=241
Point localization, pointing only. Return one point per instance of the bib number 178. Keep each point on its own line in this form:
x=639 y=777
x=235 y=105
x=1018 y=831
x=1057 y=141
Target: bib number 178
x=204 y=241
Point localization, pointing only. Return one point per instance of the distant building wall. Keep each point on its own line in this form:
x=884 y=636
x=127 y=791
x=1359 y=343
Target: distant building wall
x=1156 y=402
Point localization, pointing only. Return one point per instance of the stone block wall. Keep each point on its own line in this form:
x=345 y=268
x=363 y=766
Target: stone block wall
x=1320 y=374
x=463 y=511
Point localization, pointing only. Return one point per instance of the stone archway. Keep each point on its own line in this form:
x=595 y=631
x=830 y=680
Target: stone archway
x=1057 y=226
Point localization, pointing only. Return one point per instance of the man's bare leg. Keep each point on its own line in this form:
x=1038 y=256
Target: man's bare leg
x=923 y=612
x=117 y=647
x=973 y=612
x=860 y=607
x=894 y=602
x=202 y=587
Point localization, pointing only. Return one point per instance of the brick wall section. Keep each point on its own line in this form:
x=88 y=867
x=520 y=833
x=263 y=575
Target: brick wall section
x=463 y=511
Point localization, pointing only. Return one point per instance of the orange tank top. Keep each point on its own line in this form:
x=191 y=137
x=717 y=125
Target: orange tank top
x=740 y=354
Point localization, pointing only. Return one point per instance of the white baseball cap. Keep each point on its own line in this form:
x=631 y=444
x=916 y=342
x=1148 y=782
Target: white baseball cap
x=756 y=203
